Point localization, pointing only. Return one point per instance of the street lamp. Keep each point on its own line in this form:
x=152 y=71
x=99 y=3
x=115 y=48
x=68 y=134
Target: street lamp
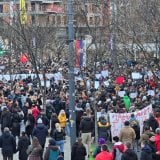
x=71 y=74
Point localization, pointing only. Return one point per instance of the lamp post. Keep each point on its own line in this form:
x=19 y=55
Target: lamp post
x=71 y=75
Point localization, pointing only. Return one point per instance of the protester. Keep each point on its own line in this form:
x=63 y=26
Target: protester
x=15 y=123
x=52 y=151
x=23 y=144
x=78 y=151
x=136 y=127
x=104 y=154
x=54 y=120
x=86 y=128
x=62 y=119
x=129 y=154
x=103 y=128
x=8 y=144
x=41 y=132
x=118 y=148
x=34 y=151
x=6 y=118
x=146 y=152
x=59 y=136
x=127 y=134
x=153 y=123
x=30 y=123
x=101 y=141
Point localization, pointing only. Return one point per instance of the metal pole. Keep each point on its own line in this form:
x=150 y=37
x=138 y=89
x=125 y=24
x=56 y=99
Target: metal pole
x=114 y=49
x=71 y=75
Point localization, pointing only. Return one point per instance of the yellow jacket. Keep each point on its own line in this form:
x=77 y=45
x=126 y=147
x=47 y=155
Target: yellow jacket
x=62 y=120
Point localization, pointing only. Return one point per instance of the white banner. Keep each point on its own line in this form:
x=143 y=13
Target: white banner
x=117 y=119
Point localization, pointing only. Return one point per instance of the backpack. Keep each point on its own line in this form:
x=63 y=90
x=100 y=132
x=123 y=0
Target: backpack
x=118 y=154
x=53 y=155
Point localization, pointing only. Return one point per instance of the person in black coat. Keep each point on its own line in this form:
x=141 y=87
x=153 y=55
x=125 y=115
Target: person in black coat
x=6 y=119
x=30 y=124
x=41 y=132
x=78 y=151
x=136 y=128
x=129 y=154
x=15 y=128
x=54 y=120
x=103 y=128
x=152 y=122
x=59 y=136
x=146 y=152
x=23 y=144
x=8 y=144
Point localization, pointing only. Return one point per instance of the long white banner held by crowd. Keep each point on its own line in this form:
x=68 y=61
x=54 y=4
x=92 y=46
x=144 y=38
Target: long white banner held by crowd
x=117 y=119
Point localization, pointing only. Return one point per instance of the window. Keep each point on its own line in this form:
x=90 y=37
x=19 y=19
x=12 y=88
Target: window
x=58 y=20
x=91 y=20
x=33 y=6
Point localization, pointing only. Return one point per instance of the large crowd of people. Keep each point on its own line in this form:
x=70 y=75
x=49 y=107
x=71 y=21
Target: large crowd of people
x=25 y=125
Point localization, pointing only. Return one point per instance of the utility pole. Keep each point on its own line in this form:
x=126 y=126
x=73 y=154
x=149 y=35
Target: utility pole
x=113 y=35
x=71 y=75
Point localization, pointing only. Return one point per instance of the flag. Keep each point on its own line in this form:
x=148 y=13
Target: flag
x=80 y=53
x=23 y=13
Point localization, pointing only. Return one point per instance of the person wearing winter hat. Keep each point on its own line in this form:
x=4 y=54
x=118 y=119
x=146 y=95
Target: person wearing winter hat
x=101 y=141
x=41 y=132
x=78 y=150
x=52 y=151
x=118 y=148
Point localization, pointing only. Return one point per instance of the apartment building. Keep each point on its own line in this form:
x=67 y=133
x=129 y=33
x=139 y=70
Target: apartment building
x=55 y=13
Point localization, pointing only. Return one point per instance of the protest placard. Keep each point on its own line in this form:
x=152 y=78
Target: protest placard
x=117 y=119
x=121 y=93
x=105 y=73
x=151 y=92
x=136 y=75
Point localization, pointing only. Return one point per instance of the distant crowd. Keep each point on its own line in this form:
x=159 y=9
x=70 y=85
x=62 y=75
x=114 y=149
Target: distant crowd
x=24 y=116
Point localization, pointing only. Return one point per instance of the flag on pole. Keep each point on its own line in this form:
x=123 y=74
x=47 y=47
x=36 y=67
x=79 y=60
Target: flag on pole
x=80 y=53
x=23 y=13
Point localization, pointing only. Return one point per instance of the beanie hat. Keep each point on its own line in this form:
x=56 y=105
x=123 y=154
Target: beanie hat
x=52 y=142
x=39 y=120
x=101 y=141
x=158 y=130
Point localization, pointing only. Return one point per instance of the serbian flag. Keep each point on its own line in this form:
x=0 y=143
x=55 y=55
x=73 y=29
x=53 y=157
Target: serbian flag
x=80 y=53
x=120 y=80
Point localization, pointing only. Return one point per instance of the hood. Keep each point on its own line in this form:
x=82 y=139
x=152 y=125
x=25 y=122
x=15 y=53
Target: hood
x=54 y=148
x=6 y=134
x=120 y=146
x=103 y=121
x=40 y=126
x=151 y=118
x=125 y=97
x=147 y=149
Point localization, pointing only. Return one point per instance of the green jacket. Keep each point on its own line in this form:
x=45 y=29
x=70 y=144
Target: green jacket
x=127 y=102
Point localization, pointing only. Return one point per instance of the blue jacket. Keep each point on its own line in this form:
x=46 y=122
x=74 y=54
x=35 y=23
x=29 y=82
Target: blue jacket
x=8 y=144
x=41 y=132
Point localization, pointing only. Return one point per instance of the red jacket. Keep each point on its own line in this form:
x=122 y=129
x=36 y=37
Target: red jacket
x=104 y=155
x=157 y=142
x=35 y=112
